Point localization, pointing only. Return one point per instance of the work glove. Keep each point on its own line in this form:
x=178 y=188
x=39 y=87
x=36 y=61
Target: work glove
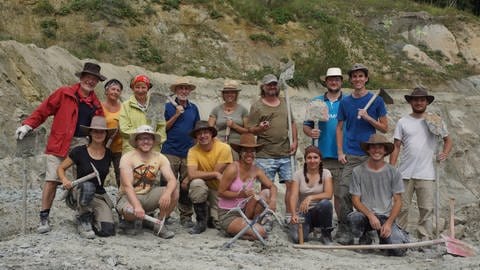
x=22 y=131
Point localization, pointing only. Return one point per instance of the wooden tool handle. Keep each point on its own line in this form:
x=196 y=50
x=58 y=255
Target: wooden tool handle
x=452 y=217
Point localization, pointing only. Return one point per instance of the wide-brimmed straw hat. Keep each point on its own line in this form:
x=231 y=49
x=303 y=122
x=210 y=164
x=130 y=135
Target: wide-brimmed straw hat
x=182 y=81
x=419 y=92
x=247 y=140
x=92 y=69
x=378 y=139
x=356 y=67
x=333 y=72
x=231 y=85
x=202 y=124
x=98 y=123
x=143 y=129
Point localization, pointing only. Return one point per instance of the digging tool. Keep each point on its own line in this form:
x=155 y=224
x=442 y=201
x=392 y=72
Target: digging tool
x=287 y=74
x=316 y=111
x=84 y=179
x=383 y=94
x=149 y=219
x=227 y=130
x=301 y=220
x=110 y=140
x=454 y=246
x=174 y=103
x=155 y=109
x=26 y=148
x=436 y=126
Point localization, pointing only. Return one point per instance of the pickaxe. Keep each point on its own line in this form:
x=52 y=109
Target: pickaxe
x=84 y=179
x=149 y=219
x=382 y=93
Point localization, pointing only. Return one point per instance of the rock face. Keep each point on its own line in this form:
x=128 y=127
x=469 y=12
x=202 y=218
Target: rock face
x=30 y=73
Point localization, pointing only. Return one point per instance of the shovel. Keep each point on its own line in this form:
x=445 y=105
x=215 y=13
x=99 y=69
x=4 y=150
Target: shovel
x=317 y=110
x=155 y=109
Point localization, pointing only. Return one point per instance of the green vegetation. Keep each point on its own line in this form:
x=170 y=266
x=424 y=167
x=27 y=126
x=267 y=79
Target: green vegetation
x=147 y=53
x=49 y=28
x=114 y=11
x=44 y=8
x=269 y=39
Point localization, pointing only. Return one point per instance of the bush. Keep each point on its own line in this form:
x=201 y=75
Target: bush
x=171 y=4
x=281 y=15
x=147 y=53
x=110 y=10
x=44 y=8
x=49 y=28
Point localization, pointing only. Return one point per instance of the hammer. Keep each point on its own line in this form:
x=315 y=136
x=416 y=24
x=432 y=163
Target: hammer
x=84 y=179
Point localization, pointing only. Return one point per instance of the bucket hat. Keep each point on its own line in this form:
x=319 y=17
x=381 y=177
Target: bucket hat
x=333 y=72
x=356 y=67
x=378 y=139
x=419 y=92
x=202 y=124
x=247 y=140
x=92 y=69
x=143 y=129
x=231 y=85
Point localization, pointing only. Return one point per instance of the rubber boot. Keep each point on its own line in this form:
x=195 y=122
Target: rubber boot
x=201 y=212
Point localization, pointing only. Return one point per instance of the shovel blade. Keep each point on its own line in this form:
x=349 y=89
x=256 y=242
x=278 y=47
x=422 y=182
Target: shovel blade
x=457 y=247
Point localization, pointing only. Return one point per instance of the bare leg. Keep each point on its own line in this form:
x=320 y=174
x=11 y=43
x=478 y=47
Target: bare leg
x=48 y=194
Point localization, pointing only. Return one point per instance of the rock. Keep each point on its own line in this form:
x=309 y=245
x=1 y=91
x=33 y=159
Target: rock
x=419 y=56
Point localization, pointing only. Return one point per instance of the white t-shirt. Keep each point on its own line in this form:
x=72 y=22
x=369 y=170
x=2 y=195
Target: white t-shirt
x=418 y=148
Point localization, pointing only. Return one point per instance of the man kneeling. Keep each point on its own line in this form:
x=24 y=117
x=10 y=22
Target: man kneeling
x=376 y=190
x=138 y=173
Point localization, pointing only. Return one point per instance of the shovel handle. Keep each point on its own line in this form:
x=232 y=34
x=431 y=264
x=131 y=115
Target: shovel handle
x=369 y=103
x=452 y=217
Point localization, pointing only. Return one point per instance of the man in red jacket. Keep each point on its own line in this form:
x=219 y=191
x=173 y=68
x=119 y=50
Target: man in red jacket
x=71 y=106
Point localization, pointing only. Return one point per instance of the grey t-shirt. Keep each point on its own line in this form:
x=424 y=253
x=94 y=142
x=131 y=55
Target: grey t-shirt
x=376 y=188
x=220 y=116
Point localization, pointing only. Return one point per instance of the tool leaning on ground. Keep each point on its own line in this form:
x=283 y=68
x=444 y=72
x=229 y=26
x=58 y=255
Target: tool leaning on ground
x=286 y=75
x=453 y=245
x=94 y=174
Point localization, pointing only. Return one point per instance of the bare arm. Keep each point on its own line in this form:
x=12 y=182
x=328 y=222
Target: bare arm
x=228 y=176
x=294 y=201
x=66 y=163
x=178 y=111
x=373 y=220
x=447 y=147
x=396 y=151
x=126 y=183
x=339 y=137
x=267 y=183
x=212 y=120
x=386 y=230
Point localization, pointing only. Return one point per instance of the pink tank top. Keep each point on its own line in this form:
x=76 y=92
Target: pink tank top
x=236 y=186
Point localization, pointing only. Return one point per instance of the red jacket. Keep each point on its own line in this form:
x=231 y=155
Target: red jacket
x=63 y=105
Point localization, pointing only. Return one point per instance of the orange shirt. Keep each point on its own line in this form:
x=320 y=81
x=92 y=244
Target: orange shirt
x=112 y=122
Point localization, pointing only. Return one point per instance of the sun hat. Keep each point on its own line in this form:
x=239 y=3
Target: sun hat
x=356 y=67
x=141 y=78
x=143 y=129
x=269 y=78
x=419 y=92
x=202 y=124
x=333 y=72
x=230 y=85
x=98 y=123
x=92 y=69
x=378 y=139
x=247 y=140
x=182 y=81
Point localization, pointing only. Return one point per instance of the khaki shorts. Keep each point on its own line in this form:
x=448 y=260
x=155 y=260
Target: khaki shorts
x=149 y=200
x=225 y=218
x=53 y=161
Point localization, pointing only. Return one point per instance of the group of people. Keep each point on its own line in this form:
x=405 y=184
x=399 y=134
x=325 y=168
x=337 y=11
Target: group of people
x=176 y=160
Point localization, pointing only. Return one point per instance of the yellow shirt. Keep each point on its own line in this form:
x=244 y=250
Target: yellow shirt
x=206 y=161
x=112 y=119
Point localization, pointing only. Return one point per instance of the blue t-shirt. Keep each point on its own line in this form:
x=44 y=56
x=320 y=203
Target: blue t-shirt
x=178 y=139
x=357 y=130
x=327 y=142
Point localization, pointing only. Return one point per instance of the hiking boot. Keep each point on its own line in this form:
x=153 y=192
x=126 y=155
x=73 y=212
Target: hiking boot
x=131 y=227
x=326 y=236
x=170 y=220
x=267 y=223
x=201 y=211
x=44 y=226
x=84 y=226
x=187 y=223
x=343 y=235
x=164 y=233
x=365 y=239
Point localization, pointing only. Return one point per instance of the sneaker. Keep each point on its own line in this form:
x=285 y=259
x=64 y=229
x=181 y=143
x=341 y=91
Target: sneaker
x=344 y=238
x=164 y=233
x=44 y=226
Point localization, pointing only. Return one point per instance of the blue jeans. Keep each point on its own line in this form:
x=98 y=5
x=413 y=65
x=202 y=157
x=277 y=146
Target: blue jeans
x=272 y=166
x=360 y=225
x=318 y=216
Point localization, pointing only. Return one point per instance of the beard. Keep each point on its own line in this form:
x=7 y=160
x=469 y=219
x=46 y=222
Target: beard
x=333 y=90
x=422 y=110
